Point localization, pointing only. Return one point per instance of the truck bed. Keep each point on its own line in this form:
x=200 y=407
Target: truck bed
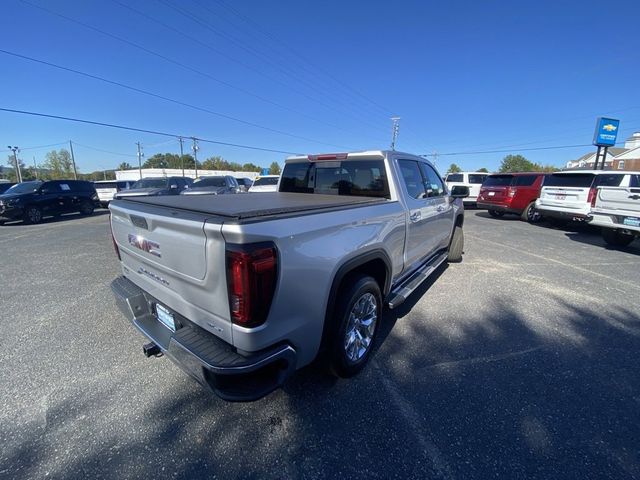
x=255 y=205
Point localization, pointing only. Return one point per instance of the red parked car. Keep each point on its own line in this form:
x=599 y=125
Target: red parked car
x=512 y=193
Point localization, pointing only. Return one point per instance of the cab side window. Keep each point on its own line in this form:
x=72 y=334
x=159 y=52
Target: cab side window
x=432 y=182
x=412 y=178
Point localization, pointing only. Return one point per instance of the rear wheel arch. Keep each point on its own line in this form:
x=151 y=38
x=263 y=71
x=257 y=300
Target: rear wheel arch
x=375 y=264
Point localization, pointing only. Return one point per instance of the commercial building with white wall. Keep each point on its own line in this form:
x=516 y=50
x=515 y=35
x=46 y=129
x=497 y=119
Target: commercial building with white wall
x=134 y=174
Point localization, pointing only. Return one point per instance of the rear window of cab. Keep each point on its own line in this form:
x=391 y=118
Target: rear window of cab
x=366 y=178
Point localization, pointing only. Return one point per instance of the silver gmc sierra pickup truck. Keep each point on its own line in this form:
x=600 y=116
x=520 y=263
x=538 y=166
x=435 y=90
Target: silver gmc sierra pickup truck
x=242 y=290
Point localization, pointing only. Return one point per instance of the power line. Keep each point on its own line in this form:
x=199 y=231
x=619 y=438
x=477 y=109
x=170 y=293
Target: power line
x=143 y=130
x=228 y=57
x=178 y=63
x=557 y=147
x=168 y=99
x=103 y=151
x=255 y=26
x=39 y=146
x=289 y=72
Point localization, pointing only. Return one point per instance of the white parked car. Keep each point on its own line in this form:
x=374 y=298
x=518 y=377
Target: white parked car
x=106 y=189
x=473 y=180
x=266 y=183
x=617 y=212
x=570 y=195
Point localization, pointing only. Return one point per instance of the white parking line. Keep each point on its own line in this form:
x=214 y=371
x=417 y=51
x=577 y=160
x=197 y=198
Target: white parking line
x=415 y=421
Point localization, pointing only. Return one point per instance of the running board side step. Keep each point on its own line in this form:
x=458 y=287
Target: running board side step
x=402 y=291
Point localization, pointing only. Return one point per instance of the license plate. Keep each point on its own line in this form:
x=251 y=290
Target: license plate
x=491 y=194
x=165 y=317
x=631 y=221
x=560 y=197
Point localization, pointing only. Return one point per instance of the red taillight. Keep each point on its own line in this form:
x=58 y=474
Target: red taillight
x=113 y=239
x=593 y=195
x=511 y=192
x=251 y=282
x=327 y=156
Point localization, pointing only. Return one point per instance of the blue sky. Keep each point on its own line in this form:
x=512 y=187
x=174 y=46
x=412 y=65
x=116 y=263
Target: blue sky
x=464 y=76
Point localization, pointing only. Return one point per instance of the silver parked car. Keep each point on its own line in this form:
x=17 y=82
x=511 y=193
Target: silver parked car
x=217 y=185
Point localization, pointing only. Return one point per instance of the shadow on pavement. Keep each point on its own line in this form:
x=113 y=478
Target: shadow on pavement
x=57 y=219
x=481 y=395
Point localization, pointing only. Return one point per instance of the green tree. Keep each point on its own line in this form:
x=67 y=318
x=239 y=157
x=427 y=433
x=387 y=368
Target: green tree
x=124 y=166
x=59 y=165
x=216 y=163
x=453 y=168
x=483 y=170
x=274 y=168
x=251 y=167
x=517 y=163
x=10 y=173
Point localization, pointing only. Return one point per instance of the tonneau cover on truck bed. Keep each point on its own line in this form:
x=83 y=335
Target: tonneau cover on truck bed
x=254 y=205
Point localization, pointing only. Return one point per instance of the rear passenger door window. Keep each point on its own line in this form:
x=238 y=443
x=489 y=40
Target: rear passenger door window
x=412 y=179
x=432 y=182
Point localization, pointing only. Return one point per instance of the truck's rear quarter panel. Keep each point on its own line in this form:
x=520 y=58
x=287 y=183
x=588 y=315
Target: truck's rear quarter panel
x=311 y=249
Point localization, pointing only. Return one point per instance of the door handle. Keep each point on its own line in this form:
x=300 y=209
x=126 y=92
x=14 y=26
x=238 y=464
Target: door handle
x=415 y=216
x=440 y=208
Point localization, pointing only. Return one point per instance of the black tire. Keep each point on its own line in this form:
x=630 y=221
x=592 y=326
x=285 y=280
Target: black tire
x=32 y=215
x=86 y=208
x=496 y=214
x=357 y=291
x=530 y=214
x=456 y=245
x=616 y=238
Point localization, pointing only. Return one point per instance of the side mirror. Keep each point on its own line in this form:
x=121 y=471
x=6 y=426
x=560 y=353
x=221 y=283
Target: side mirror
x=460 y=191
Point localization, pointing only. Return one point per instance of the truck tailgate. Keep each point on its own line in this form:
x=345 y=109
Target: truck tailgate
x=177 y=257
x=619 y=198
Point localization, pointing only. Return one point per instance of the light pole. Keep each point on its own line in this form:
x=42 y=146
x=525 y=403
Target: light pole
x=195 y=149
x=394 y=131
x=140 y=155
x=15 y=161
x=181 y=155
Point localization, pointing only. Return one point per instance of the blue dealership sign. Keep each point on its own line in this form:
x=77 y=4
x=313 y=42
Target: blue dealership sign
x=265 y=171
x=606 y=132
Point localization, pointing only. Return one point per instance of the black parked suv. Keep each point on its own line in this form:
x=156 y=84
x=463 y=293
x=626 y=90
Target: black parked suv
x=32 y=201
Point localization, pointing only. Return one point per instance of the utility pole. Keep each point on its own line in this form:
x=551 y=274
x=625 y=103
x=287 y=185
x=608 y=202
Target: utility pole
x=180 y=139
x=73 y=160
x=140 y=155
x=195 y=149
x=15 y=161
x=395 y=129
x=435 y=157
x=35 y=167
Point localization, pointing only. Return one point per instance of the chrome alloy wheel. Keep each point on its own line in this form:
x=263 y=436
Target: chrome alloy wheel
x=361 y=327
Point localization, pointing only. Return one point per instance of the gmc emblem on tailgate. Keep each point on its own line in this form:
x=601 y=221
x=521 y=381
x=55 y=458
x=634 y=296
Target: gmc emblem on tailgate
x=145 y=245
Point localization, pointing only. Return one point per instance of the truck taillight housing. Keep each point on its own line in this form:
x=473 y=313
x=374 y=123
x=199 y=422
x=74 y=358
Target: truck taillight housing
x=113 y=239
x=252 y=272
x=593 y=195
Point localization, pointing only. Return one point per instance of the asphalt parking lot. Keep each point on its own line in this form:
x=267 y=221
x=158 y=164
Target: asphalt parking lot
x=520 y=362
